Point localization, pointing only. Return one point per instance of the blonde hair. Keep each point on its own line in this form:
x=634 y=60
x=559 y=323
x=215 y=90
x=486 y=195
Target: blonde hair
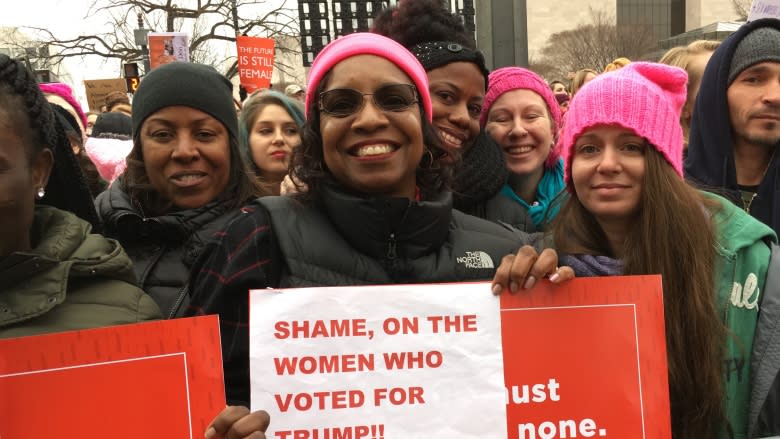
x=618 y=63
x=579 y=79
x=681 y=56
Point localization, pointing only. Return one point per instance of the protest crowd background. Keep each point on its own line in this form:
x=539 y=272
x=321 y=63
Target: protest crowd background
x=402 y=150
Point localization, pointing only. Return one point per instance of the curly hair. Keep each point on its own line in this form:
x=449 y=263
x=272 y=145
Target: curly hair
x=412 y=22
x=21 y=98
x=308 y=168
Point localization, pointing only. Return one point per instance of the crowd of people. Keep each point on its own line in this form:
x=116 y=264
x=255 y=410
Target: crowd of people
x=403 y=151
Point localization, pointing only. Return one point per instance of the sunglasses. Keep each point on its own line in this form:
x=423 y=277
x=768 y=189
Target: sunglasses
x=342 y=102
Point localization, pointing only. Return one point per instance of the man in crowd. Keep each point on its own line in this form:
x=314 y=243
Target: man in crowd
x=295 y=91
x=736 y=122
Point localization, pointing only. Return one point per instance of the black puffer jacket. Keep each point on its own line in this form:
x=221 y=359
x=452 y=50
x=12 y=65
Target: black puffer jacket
x=348 y=240
x=162 y=248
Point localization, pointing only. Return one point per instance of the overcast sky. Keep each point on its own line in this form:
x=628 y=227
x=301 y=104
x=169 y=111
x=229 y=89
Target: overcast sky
x=68 y=18
x=64 y=18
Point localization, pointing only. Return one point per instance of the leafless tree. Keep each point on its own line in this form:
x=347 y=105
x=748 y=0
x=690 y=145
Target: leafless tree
x=595 y=44
x=211 y=25
x=741 y=8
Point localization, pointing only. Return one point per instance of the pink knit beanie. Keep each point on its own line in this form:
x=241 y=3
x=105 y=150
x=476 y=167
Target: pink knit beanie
x=646 y=98
x=507 y=79
x=364 y=43
x=65 y=92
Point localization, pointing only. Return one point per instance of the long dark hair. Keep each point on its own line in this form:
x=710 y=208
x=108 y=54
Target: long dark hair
x=684 y=253
x=241 y=187
x=307 y=163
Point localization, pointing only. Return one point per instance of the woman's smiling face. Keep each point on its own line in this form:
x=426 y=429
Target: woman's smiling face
x=186 y=155
x=457 y=91
x=372 y=150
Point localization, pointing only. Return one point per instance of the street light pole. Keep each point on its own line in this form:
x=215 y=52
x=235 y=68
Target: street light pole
x=140 y=40
x=234 y=11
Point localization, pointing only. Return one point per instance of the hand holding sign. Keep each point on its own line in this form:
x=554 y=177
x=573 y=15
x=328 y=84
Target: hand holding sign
x=525 y=268
x=238 y=422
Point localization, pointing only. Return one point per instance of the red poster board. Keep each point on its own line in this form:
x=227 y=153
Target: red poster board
x=157 y=379
x=255 y=62
x=586 y=359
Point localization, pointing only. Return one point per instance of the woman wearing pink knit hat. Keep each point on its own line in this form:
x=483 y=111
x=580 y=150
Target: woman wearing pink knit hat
x=521 y=114
x=631 y=213
x=61 y=94
x=377 y=209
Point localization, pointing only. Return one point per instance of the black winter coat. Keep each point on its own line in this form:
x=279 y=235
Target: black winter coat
x=348 y=240
x=162 y=248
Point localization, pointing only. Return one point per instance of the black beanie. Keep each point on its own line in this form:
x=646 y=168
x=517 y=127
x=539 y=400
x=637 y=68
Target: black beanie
x=435 y=54
x=189 y=84
x=112 y=125
x=762 y=44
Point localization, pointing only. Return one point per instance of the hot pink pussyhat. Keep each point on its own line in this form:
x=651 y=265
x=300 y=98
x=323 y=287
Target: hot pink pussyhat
x=65 y=92
x=646 y=98
x=507 y=79
x=364 y=43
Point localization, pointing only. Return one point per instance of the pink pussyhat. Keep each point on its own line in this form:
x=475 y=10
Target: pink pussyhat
x=65 y=92
x=646 y=98
x=364 y=43
x=507 y=79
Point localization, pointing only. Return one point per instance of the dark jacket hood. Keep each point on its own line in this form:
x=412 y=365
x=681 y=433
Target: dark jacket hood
x=710 y=161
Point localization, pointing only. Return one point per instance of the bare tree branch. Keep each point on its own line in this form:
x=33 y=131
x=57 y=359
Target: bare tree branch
x=594 y=45
x=741 y=8
x=208 y=22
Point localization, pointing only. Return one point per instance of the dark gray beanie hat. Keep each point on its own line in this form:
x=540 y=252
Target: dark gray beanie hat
x=763 y=44
x=189 y=84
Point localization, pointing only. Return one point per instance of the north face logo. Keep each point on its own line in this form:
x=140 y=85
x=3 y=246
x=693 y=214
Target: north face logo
x=476 y=259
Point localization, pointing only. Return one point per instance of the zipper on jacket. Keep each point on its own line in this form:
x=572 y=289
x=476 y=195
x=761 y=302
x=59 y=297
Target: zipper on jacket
x=179 y=300
x=391 y=254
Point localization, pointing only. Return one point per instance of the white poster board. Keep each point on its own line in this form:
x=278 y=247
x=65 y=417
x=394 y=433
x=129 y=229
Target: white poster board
x=764 y=9
x=397 y=361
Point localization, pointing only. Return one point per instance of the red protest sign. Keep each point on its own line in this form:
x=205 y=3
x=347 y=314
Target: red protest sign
x=586 y=359
x=255 y=62
x=160 y=378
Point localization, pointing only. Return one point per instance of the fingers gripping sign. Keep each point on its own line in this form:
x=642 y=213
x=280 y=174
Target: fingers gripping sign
x=526 y=267
x=236 y=422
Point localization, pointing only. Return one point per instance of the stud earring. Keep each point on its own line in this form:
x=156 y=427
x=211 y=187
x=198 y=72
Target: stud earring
x=41 y=192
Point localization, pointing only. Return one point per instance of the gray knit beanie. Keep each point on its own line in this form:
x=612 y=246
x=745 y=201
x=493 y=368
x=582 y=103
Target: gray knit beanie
x=763 y=44
x=189 y=84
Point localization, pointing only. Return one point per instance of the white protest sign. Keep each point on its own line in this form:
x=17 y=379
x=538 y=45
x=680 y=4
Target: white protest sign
x=764 y=9
x=396 y=361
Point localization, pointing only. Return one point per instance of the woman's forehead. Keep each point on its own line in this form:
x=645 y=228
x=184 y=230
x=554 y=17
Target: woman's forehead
x=365 y=70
